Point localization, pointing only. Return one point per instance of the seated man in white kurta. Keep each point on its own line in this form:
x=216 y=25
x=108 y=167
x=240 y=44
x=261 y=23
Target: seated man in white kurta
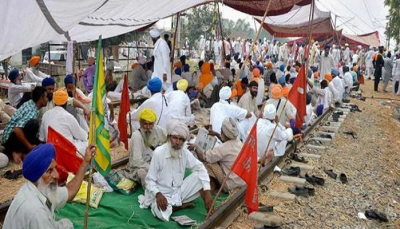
x=166 y=188
x=63 y=122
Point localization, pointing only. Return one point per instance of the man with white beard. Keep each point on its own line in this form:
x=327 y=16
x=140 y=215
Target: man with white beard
x=143 y=142
x=35 y=202
x=166 y=188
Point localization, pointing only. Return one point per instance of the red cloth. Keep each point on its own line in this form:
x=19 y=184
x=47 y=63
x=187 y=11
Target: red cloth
x=125 y=107
x=297 y=96
x=66 y=158
x=246 y=168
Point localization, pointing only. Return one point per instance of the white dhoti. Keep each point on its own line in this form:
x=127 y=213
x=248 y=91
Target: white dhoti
x=82 y=120
x=188 y=192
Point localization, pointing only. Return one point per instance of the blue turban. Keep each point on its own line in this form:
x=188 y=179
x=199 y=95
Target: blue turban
x=261 y=70
x=291 y=81
x=186 y=68
x=335 y=72
x=178 y=71
x=13 y=74
x=327 y=46
x=38 y=161
x=282 y=80
x=174 y=85
x=314 y=69
x=69 y=79
x=48 y=82
x=154 y=85
x=320 y=109
x=193 y=95
x=282 y=67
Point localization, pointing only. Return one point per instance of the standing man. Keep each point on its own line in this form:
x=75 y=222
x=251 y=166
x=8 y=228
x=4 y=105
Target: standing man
x=88 y=75
x=378 y=64
x=166 y=188
x=369 y=62
x=335 y=56
x=387 y=73
x=35 y=202
x=327 y=62
x=162 y=64
x=202 y=47
x=17 y=89
x=217 y=52
x=33 y=74
x=346 y=55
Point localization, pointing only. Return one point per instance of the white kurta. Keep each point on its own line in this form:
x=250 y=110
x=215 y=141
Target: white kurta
x=339 y=86
x=336 y=56
x=15 y=92
x=348 y=81
x=65 y=124
x=29 y=210
x=288 y=112
x=179 y=106
x=325 y=66
x=166 y=175
x=324 y=96
x=159 y=104
x=264 y=132
x=31 y=77
x=219 y=111
x=162 y=64
x=248 y=103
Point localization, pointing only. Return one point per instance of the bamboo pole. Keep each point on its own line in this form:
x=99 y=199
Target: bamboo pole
x=255 y=38
x=230 y=171
x=223 y=53
x=174 y=44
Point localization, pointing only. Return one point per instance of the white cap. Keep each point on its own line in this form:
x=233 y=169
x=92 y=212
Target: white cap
x=289 y=133
x=371 y=47
x=154 y=33
x=334 y=46
x=269 y=112
x=201 y=36
x=346 y=44
x=359 y=47
x=225 y=93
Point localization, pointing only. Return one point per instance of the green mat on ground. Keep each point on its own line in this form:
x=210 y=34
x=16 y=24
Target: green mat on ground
x=120 y=211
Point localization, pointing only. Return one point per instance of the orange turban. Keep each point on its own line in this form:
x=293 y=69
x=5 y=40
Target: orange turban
x=60 y=97
x=328 y=77
x=276 y=91
x=285 y=92
x=205 y=76
x=269 y=65
x=178 y=64
x=234 y=93
x=256 y=72
x=316 y=75
x=200 y=86
x=134 y=65
x=34 y=61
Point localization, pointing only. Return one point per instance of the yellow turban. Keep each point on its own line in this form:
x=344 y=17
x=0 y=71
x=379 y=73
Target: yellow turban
x=60 y=97
x=147 y=114
x=34 y=60
x=182 y=84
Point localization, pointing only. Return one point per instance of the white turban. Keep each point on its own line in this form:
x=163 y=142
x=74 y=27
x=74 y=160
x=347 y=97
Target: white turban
x=229 y=128
x=269 y=112
x=154 y=33
x=225 y=93
x=175 y=127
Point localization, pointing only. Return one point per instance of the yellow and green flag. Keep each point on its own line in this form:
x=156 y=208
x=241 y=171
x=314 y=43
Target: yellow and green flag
x=98 y=133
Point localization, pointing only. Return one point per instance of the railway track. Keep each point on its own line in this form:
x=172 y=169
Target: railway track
x=227 y=213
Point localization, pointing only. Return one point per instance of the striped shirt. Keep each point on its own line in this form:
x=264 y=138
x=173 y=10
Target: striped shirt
x=25 y=113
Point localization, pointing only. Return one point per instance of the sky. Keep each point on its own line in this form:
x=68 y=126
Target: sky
x=353 y=16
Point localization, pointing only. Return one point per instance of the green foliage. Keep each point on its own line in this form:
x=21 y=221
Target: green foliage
x=393 y=25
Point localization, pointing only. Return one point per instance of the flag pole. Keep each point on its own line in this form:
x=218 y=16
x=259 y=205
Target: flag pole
x=93 y=129
x=247 y=57
x=311 y=18
x=175 y=40
x=224 y=182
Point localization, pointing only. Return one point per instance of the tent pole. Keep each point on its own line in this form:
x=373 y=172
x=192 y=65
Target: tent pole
x=223 y=54
x=174 y=44
x=255 y=38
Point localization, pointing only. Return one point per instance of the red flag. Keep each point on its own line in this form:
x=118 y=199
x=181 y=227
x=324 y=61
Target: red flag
x=297 y=96
x=246 y=168
x=125 y=107
x=66 y=158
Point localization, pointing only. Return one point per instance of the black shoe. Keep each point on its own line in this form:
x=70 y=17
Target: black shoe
x=374 y=214
x=299 y=191
x=311 y=191
x=318 y=180
x=343 y=178
x=296 y=157
x=325 y=136
x=12 y=175
x=293 y=171
x=263 y=208
x=330 y=173
x=338 y=112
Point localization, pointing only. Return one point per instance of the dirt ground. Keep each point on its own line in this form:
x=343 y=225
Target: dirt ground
x=371 y=163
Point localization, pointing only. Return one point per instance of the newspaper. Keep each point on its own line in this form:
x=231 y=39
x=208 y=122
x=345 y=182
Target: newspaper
x=205 y=141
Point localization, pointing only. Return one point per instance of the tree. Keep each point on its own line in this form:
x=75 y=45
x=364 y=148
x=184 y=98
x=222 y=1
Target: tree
x=392 y=27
